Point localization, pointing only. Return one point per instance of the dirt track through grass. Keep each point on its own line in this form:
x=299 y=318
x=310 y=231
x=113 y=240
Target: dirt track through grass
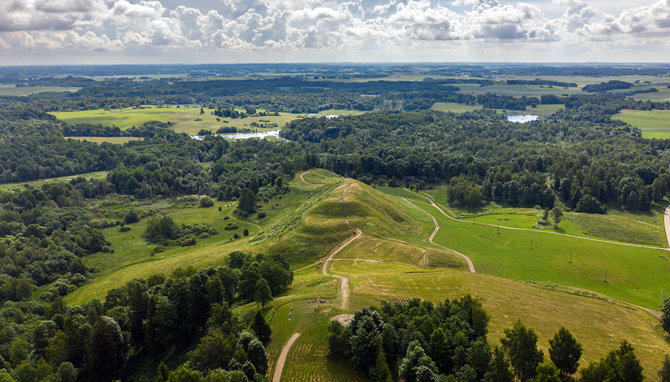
x=276 y=377
x=345 y=281
x=471 y=266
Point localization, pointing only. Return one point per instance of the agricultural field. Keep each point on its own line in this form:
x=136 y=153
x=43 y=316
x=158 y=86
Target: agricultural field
x=13 y=91
x=653 y=123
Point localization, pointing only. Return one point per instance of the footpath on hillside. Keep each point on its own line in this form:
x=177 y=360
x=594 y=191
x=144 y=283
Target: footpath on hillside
x=344 y=289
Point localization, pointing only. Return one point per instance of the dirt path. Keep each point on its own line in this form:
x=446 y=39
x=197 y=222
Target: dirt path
x=666 y=221
x=471 y=266
x=302 y=178
x=345 y=281
x=548 y=232
x=276 y=377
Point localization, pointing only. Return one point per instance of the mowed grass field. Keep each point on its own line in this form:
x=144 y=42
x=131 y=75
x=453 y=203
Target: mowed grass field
x=13 y=91
x=653 y=123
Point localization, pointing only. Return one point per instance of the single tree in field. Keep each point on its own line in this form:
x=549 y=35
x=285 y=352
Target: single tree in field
x=665 y=317
x=565 y=351
x=664 y=373
x=520 y=343
x=557 y=214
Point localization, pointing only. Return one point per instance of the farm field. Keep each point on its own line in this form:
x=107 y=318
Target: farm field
x=113 y=140
x=13 y=91
x=653 y=123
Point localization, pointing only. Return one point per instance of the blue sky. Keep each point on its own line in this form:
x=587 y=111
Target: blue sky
x=200 y=31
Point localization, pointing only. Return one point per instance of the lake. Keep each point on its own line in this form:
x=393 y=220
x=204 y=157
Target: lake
x=522 y=118
x=261 y=135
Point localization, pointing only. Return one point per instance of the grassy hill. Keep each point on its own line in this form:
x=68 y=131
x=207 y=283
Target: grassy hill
x=393 y=258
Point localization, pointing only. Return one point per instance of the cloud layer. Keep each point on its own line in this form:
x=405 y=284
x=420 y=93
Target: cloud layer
x=243 y=26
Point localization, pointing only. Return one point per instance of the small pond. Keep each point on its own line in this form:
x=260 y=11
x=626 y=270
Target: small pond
x=261 y=135
x=521 y=118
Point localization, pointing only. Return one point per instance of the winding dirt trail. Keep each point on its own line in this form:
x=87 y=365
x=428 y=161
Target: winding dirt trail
x=471 y=266
x=336 y=250
x=276 y=377
x=667 y=227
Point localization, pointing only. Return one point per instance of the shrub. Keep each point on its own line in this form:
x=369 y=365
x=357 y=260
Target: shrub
x=231 y=226
x=131 y=217
x=245 y=232
x=206 y=202
x=124 y=228
x=261 y=214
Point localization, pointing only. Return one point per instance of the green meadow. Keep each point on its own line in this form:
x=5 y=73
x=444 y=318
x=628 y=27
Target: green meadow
x=653 y=123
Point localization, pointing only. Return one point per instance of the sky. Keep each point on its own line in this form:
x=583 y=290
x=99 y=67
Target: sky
x=37 y=32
